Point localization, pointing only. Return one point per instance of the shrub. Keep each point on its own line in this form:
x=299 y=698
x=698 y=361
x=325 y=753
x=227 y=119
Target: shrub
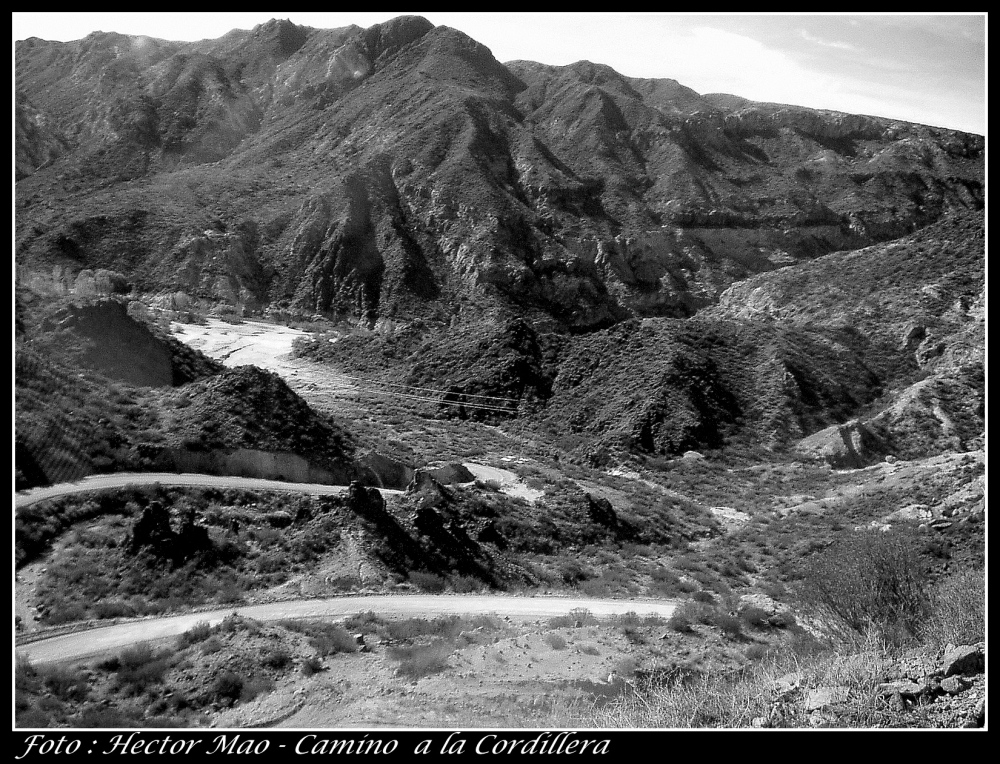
x=311 y=665
x=584 y=616
x=64 y=683
x=416 y=661
x=329 y=638
x=363 y=623
x=756 y=652
x=332 y=639
x=680 y=620
x=98 y=717
x=755 y=617
x=140 y=666
x=277 y=658
x=34 y=718
x=428 y=582
x=578 y=615
x=197 y=633
x=555 y=641
x=634 y=636
x=465 y=584
x=227 y=687
x=958 y=609
x=486 y=622
x=872 y=581
x=113 y=609
x=25 y=675
x=782 y=620
x=729 y=624
x=630 y=619
x=572 y=572
x=253 y=687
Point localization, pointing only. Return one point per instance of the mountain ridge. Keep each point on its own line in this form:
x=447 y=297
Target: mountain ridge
x=401 y=171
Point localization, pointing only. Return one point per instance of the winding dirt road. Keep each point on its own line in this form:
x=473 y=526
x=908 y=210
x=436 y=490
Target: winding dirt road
x=85 y=644
x=123 y=479
x=269 y=346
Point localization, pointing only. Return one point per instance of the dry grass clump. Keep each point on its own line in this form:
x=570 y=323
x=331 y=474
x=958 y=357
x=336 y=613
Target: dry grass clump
x=750 y=696
x=416 y=661
x=958 y=609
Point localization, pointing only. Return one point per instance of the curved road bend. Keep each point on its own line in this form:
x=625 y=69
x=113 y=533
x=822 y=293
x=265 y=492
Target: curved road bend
x=85 y=644
x=122 y=479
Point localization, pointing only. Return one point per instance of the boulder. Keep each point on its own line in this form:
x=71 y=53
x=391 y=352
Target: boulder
x=427 y=490
x=907 y=690
x=450 y=473
x=385 y=471
x=601 y=512
x=364 y=500
x=820 y=698
x=964 y=659
x=953 y=685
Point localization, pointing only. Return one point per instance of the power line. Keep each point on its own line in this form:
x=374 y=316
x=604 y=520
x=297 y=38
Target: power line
x=476 y=406
x=429 y=389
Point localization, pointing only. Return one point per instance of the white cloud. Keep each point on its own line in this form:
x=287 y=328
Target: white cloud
x=826 y=43
x=714 y=60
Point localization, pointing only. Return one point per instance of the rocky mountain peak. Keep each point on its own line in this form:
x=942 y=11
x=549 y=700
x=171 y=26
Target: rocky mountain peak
x=285 y=36
x=387 y=38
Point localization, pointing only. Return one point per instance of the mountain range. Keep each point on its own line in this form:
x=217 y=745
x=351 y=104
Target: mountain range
x=401 y=171
x=505 y=226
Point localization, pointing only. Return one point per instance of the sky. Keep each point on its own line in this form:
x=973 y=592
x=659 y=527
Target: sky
x=926 y=68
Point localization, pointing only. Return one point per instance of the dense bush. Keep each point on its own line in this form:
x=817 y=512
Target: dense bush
x=755 y=617
x=325 y=638
x=140 y=667
x=555 y=641
x=416 y=661
x=871 y=581
x=428 y=582
x=197 y=633
x=276 y=658
x=682 y=619
x=729 y=624
x=227 y=687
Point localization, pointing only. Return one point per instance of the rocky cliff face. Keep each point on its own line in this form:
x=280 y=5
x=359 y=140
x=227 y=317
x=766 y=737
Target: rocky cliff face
x=402 y=171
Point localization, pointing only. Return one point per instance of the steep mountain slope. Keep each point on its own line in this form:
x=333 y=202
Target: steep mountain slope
x=917 y=310
x=99 y=391
x=851 y=356
x=402 y=171
x=893 y=334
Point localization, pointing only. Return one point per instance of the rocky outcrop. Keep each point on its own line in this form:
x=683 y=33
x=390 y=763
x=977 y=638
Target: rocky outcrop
x=36 y=143
x=384 y=471
x=365 y=501
x=845 y=446
x=601 y=512
x=427 y=492
x=945 y=690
